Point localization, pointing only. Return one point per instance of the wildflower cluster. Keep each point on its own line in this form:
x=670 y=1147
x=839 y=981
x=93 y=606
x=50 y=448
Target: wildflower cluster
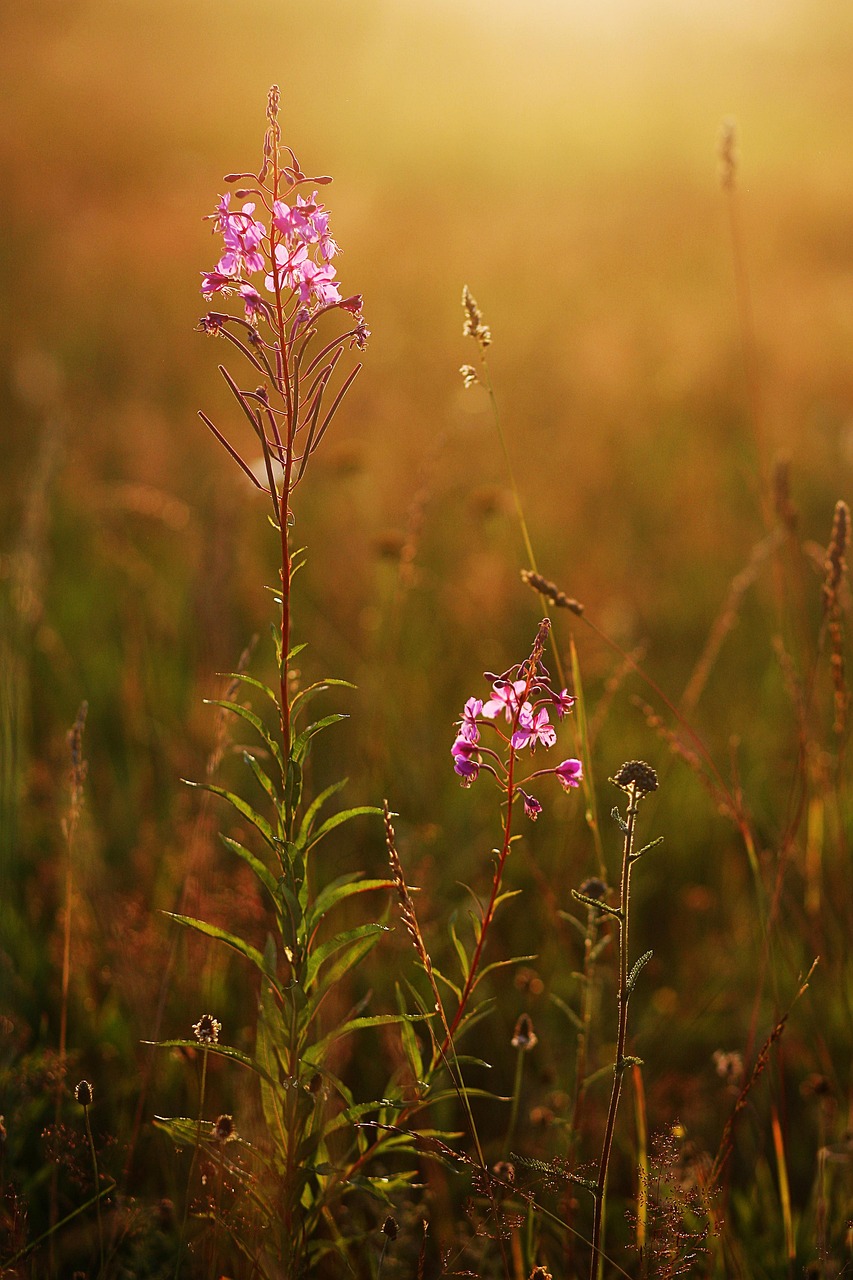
x=292 y=249
x=523 y=698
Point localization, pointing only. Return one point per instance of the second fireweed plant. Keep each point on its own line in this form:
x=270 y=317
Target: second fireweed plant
x=497 y=736
x=276 y=266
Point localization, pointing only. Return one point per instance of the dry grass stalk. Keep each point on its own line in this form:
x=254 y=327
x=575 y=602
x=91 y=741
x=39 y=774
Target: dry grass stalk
x=685 y=753
x=761 y=1062
x=836 y=571
x=727 y=618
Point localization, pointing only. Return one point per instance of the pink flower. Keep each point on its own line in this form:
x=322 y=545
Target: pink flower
x=533 y=728
x=505 y=697
x=242 y=236
x=466 y=760
x=570 y=774
x=289 y=221
x=468 y=724
x=319 y=281
x=532 y=807
x=215 y=282
x=252 y=301
x=563 y=702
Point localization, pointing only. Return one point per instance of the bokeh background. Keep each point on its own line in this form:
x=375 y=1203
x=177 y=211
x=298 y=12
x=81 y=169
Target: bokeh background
x=560 y=158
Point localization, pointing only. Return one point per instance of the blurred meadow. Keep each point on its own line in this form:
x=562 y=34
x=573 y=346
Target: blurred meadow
x=562 y=160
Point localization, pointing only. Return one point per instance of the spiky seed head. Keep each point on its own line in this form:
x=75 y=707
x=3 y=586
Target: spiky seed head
x=636 y=774
x=207 y=1029
x=389 y=1227
x=224 y=1130
x=83 y=1093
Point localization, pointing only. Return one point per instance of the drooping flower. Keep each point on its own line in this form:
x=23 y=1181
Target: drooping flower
x=252 y=301
x=532 y=807
x=466 y=760
x=569 y=774
x=563 y=702
x=533 y=727
x=468 y=727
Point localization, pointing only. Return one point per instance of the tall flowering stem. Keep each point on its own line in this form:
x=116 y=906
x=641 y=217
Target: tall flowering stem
x=524 y=699
x=290 y=254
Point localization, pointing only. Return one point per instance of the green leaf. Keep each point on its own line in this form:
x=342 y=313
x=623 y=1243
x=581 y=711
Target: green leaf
x=501 y=964
x=246 y=810
x=221 y=1051
x=473 y=1016
x=337 y=820
x=255 y=721
x=408 y=1039
x=315 y=1054
x=304 y=696
x=646 y=847
x=596 y=904
x=352 y=957
x=255 y=684
x=300 y=746
x=329 y=948
x=338 y=891
x=263 y=778
x=315 y=807
x=461 y=953
x=263 y=874
x=237 y=944
x=457 y=991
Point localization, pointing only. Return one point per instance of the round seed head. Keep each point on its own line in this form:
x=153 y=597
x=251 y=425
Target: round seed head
x=638 y=774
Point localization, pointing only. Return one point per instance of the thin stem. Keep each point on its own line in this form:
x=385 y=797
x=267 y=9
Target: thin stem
x=490 y=909
x=516 y=1100
x=622 y=1034
x=97 y=1187
x=194 y=1161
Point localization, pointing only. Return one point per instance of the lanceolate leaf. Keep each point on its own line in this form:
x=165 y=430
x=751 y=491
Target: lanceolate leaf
x=263 y=778
x=265 y=876
x=317 y=1052
x=258 y=822
x=255 y=684
x=338 y=819
x=353 y=956
x=315 y=807
x=301 y=743
x=327 y=949
x=255 y=721
x=340 y=889
x=307 y=695
x=221 y=1051
x=231 y=940
x=501 y=964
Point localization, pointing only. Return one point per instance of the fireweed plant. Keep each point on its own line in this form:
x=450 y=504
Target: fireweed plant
x=273 y=1200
